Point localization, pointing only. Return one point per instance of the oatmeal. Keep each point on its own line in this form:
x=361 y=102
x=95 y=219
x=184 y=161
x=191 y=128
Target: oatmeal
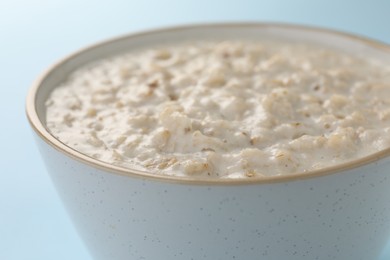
x=232 y=109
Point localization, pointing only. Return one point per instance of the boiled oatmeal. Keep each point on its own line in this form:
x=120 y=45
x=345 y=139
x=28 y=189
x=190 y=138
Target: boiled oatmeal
x=231 y=109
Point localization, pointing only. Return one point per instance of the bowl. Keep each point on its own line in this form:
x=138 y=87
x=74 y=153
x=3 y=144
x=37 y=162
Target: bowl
x=340 y=212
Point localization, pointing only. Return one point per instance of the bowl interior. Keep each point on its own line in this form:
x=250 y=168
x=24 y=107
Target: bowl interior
x=258 y=31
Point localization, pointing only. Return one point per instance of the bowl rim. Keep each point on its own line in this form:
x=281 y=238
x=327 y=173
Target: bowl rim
x=45 y=135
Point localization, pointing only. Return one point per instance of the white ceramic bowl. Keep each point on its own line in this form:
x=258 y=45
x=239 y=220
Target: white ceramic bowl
x=341 y=212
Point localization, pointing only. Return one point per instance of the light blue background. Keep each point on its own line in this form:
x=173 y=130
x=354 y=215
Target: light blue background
x=35 y=33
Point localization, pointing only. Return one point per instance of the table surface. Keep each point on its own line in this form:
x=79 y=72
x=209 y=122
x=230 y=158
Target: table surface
x=36 y=33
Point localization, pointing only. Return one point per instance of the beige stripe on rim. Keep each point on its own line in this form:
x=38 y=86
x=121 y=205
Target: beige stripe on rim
x=40 y=129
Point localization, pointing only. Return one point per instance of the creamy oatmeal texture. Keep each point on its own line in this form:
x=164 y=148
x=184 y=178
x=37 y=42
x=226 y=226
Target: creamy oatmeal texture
x=232 y=109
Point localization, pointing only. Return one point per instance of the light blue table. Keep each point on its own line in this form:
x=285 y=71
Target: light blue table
x=35 y=33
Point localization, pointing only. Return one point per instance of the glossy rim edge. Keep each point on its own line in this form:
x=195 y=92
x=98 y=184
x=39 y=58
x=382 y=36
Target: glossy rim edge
x=43 y=133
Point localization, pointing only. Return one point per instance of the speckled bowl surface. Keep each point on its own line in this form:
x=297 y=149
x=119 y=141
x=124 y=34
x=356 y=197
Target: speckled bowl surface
x=342 y=212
